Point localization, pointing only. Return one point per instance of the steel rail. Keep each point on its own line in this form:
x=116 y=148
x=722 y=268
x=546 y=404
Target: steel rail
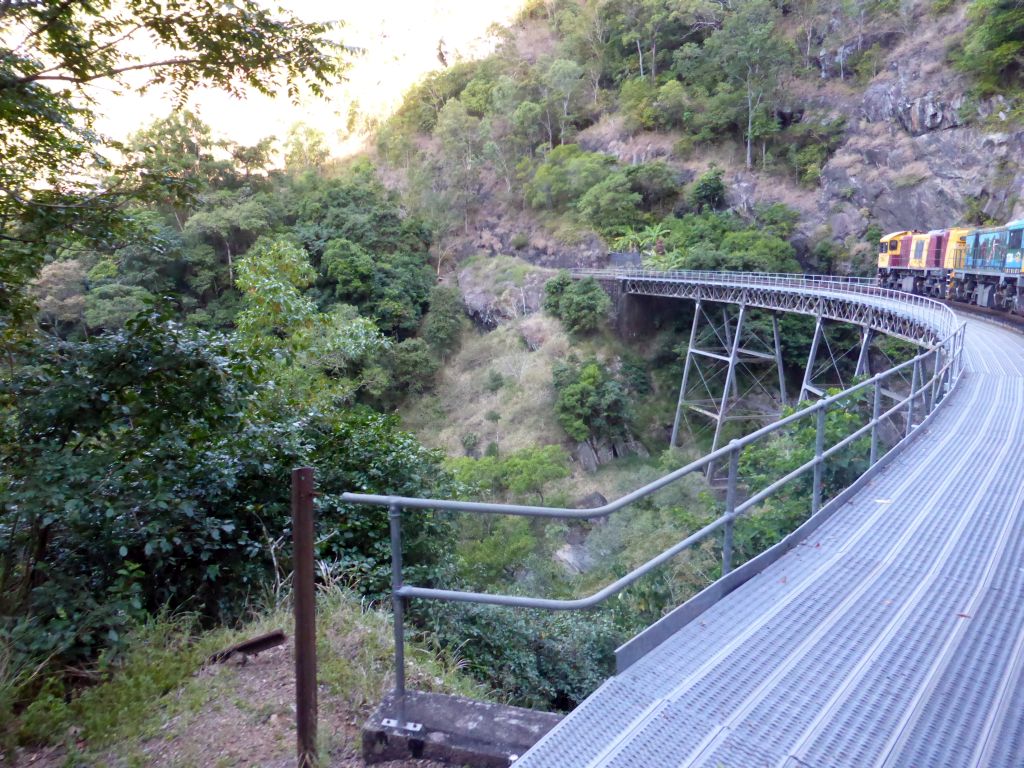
x=944 y=358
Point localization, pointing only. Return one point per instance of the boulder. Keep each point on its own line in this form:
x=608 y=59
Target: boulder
x=586 y=456
x=574 y=558
x=605 y=452
x=500 y=290
x=534 y=332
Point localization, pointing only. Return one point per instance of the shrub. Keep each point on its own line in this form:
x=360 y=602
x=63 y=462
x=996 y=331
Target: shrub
x=495 y=381
x=412 y=366
x=584 y=305
x=610 y=205
x=565 y=175
x=470 y=441
x=590 y=403
x=443 y=324
x=708 y=192
x=554 y=289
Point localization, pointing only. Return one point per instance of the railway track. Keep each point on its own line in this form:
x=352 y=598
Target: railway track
x=995 y=315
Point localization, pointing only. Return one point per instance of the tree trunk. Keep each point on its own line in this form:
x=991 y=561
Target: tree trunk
x=654 y=61
x=231 y=263
x=750 y=130
x=640 y=55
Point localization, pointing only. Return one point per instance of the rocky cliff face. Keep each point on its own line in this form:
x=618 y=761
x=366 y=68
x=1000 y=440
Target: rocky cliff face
x=920 y=154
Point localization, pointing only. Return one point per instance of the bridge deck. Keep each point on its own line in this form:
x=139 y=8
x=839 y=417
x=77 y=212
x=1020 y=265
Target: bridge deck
x=893 y=636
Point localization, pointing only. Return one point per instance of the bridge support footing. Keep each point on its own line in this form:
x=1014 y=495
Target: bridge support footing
x=453 y=729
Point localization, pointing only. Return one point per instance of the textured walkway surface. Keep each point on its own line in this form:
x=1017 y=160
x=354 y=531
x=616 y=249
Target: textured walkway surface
x=893 y=636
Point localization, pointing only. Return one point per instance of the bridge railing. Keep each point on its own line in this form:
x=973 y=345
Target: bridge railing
x=933 y=375
x=934 y=313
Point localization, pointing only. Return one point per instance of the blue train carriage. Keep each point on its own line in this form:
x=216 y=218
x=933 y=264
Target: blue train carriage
x=991 y=272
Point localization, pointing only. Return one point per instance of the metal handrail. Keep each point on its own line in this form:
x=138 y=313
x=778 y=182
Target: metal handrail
x=941 y=318
x=944 y=360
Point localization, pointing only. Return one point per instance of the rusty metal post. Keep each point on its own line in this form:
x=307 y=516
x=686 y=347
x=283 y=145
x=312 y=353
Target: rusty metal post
x=305 y=615
x=398 y=608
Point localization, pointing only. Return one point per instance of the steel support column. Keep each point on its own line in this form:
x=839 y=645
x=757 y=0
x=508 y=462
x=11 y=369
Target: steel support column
x=864 y=359
x=686 y=375
x=730 y=379
x=812 y=357
x=778 y=358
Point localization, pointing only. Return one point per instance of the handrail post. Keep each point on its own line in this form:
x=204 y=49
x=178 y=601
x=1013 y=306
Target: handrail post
x=730 y=507
x=819 y=447
x=398 y=608
x=304 y=600
x=914 y=383
x=876 y=411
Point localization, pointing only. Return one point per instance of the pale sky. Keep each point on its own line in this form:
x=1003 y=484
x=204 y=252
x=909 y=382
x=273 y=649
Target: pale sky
x=400 y=38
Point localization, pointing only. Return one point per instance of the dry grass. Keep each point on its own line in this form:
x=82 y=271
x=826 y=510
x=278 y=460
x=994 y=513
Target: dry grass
x=525 y=401
x=912 y=174
x=237 y=715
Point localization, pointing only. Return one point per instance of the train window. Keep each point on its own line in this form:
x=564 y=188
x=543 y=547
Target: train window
x=1015 y=238
x=883 y=247
x=894 y=245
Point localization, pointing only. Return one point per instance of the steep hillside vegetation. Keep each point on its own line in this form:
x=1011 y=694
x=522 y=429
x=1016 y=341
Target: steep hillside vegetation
x=182 y=325
x=592 y=118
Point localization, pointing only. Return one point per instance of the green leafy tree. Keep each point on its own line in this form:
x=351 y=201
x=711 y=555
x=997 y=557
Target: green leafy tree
x=566 y=173
x=748 y=53
x=110 y=306
x=656 y=183
x=765 y=461
x=231 y=221
x=584 y=306
x=305 y=149
x=178 y=153
x=554 y=290
x=351 y=267
x=637 y=103
x=993 y=47
x=138 y=476
x=413 y=367
x=610 y=205
x=670 y=105
x=708 y=192
x=54 y=168
x=589 y=402
x=271 y=277
x=443 y=324
x=460 y=162
x=529 y=470
x=562 y=82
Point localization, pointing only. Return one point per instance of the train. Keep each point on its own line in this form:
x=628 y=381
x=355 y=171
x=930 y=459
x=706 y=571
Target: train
x=975 y=265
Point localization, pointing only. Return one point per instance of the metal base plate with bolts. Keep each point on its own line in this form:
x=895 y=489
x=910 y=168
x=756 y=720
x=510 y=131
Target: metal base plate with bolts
x=387 y=722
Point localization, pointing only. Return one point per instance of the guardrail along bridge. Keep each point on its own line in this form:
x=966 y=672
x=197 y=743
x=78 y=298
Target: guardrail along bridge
x=889 y=629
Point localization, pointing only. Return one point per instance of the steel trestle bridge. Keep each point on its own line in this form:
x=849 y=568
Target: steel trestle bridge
x=888 y=630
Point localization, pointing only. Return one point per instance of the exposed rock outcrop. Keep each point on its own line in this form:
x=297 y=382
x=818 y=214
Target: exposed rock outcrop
x=498 y=289
x=920 y=153
x=593 y=453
